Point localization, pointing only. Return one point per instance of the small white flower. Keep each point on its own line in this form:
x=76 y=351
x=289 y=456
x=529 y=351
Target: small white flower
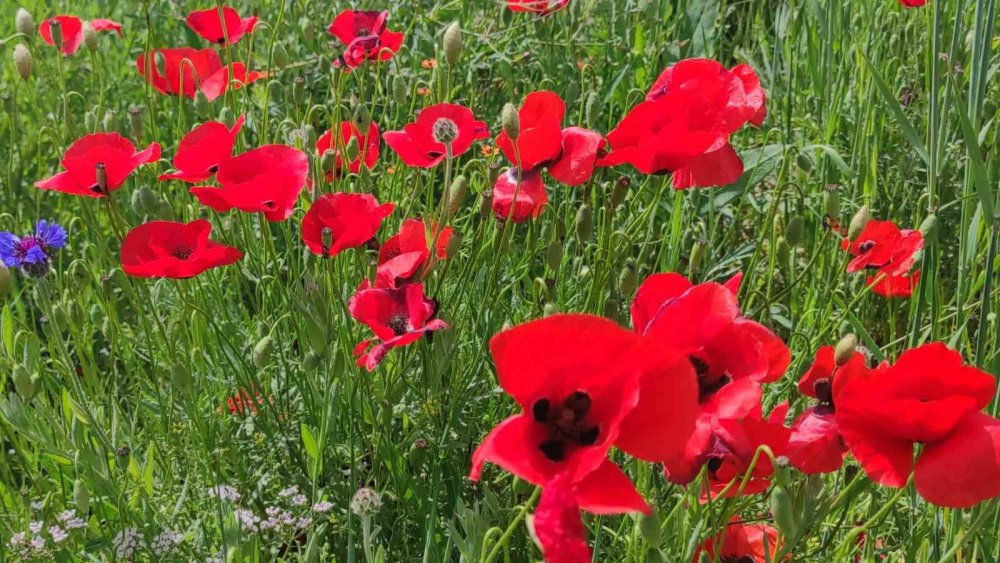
x=66 y=515
x=35 y=527
x=58 y=534
x=290 y=491
x=226 y=493
x=75 y=523
x=38 y=543
x=299 y=500
x=323 y=506
x=18 y=540
x=37 y=505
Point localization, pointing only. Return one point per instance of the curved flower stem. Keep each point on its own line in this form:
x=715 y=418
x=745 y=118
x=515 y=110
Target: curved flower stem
x=495 y=552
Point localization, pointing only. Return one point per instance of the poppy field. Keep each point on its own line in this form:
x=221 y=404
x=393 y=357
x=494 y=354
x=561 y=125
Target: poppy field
x=499 y=281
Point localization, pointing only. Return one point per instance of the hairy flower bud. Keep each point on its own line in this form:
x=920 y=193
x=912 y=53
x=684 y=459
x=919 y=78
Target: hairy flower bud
x=844 y=350
x=620 y=191
x=453 y=43
x=362 y=118
x=55 y=30
x=89 y=36
x=628 y=279
x=110 y=121
x=831 y=202
x=592 y=108
x=511 y=121
x=275 y=90
x=794 y=230
x=22 y=60
x=459 y=189
x=328 y=160
x=136 y=121
x=858 y=223
x=352 y=149
x=651 y=529
x=549 y=310
x=554 y=254
x=400 y=90
x=24 y=23
x=6 y=281
x=929 y=227
x=280 y=56
x=262 y=351
x=299 y=90
x=584 y=223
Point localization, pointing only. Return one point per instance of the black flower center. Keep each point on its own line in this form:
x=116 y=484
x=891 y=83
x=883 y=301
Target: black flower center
x=182 y=252
x=824 y=391
x=736 y=559
x=866 y=246
x=707 y=384
x=399 y=324
x=567 y=424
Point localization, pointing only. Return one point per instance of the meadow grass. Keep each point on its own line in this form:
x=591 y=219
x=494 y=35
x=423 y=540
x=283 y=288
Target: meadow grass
x=890 y=108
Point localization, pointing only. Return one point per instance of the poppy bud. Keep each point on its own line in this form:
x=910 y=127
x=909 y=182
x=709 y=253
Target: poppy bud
x=697 y=253
x=651 y=529
x=275 y=90
x=399 y=89
x=110 y=121
x=628 y=280
x=101 y=174
x=90 y=120
x=81 y=496
x=6 y=282
x=459 y=189
x=784 y=512
x=362 y=118
x=454 y=245
x=782 y=250
x=929 y=228
x=511 y=121
x=201 y=104
x=151 y=201
x=280 y=56
x=226 y=117
x=24 y=23
x=89 y=36
x=452 y=43
x=486 y=204
x=328 y=160
x=620 y=191
x=25 y=383
x=804 y=161
x=549 y=310
x=55 y=29
x=554 y=254
x=844 y=350
x=180 y=377
x=831 y=202
x=262 y=351
x=22 y=60
x=654 y=555
x=311 y=361
x=135 y=120
x=592 y=108
x=299 y=90
x=584 y=223
x=858 y=223
x=137 y=204
x=794 y=230
x=352 y=149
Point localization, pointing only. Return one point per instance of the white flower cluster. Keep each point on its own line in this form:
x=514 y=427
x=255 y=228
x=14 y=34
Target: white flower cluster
x=34 y=543
x=127 y=542
x=226 y=493
x=166 y=543
x=281 y=519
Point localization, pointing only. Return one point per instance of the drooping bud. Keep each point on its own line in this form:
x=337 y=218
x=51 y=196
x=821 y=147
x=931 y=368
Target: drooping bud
x=831 y=202
x=549 y=310
x=362 y=118
x=858 y=223
x=620 y=191
x=592 y=108
x=511 y=121
x=782 y=250
x=89 y=36
x=459 y=189
x=24 y=23
x=399 y=89
x=794 y=230
x=804 y=161
x=81 y=496
x=844 y=350
x=136 y=121
x=554 y=254
x=929 y=227
x=90 y=120
x=352 y=149
x=280 y=56
x=697 y=254
x=784 y=512
x=453 y=43
x=22 y=60
x=262 y=351
x=584 y=223
x=110 y=121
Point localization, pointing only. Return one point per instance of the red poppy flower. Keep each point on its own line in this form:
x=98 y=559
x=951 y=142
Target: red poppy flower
x=365 y=36
x=422 y=143
x=558 y=525
x=883 y=246
x=577 y=380
x=518 y=202
x=718 y=166
x=743 y=543
x=71 y=28
x=540 y=140
x=187 y=71
x=726 y=99
x=894 y=286
x=98 y=164
x=580 y=149
x=201 y=151
x=369 y=145
x=912 y=3
x=242 y=403
x=402 y=256
x=397 y=316
x=264 y=180
x=210 y=26
x=165 y=249
x=339 y=221
x=704 y=322
x=926 y=397
x=541 y=7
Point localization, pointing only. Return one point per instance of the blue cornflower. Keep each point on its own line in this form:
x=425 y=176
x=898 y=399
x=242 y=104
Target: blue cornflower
x=33 y=252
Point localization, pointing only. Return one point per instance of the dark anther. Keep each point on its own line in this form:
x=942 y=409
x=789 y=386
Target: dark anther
x=398 y=323
x=553 y=449
x=714 y=464
x=824 y=391
x=213 y=169
x=566 y=424
x=700 y=366
x=540 y=411
x=866 y=246
x=589 y=436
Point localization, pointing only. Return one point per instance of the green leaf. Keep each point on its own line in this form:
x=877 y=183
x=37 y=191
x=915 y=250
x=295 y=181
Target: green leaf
x=147 y=468
x=838 y=160
x=7 y=320
x=979 y=174
x=897 y=111
x=309 y=442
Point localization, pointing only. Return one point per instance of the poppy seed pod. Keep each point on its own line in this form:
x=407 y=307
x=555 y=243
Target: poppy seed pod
x=24 y=23
x=620 y=191
x=511 y=121
x=25 y=383
x=592 y=108
x=794 y=230
x=784 y=512
x=81 y=496
x=6 y=281
x=651 y=528
x=929 y=227
x=554 y=254
x=136 y=121
x=180 y=377
x=275 y=90
x=831 y=201
x=280 y=56
x=549 y=310
x=89 y=36
x=858 y=223
x=399 y=89
x=262 y=351
x=22 y=60
x=628 y=279
x=55 y=29
x=110 y=121
x=453 y=43
x=328 y=160
x=362 y=118
x=844 y=350
x=584 y=223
